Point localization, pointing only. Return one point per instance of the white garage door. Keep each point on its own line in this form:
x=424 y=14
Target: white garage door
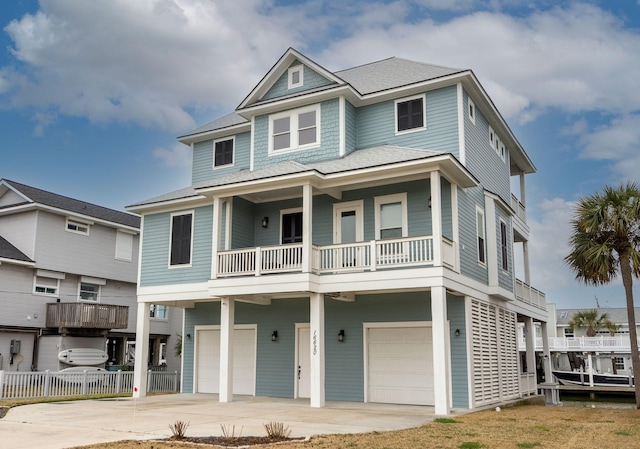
x=400 y=365
x=208 y=361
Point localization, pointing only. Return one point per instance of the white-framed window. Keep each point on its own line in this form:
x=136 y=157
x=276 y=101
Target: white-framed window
x=181 y=239
x=492 y=137
x=295 y=76
x=471 y=109
x=568 y=332
x=76 y=226
x=619 y=363
x=503 y=152
x=391 y=216
x=47 y=286
x=88 y=292
x=411 y=114
x=291 y=225
x=481 y=236
x=223 y=150
x=503 y=245
x=158 y=311
x=294 y=130
x=124 y=246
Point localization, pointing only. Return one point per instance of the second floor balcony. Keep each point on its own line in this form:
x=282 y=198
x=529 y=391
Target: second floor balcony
x=600 y=343
x=83 y=315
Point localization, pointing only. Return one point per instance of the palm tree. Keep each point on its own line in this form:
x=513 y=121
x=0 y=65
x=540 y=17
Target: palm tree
x=606 y=239
x=590 y=320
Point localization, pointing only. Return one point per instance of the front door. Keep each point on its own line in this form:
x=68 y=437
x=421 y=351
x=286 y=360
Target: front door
x=291 y=227
x=303 y=374
x=348 y=228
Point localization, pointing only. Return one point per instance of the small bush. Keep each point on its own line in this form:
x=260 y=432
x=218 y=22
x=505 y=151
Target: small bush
x=230 y=432
x=179 y=429
x=277 y=430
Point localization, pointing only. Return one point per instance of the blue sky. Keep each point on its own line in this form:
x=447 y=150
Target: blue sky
x=93 y=93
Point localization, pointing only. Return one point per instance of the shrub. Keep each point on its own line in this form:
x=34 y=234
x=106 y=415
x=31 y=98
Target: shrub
x=179 y=429
x=277 y=430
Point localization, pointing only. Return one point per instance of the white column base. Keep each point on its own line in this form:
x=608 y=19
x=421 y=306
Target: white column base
x=142 y=351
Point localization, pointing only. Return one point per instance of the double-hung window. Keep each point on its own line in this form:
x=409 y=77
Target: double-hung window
x=410 y=114
x=391 y=216
x=181 y=239
x=223 y=152
x=480 y=232
x=296 y=129
x=503 y=246
x=89 y=292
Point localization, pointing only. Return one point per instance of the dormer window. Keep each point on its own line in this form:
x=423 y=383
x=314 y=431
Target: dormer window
x=296 y=76
x=76 y=226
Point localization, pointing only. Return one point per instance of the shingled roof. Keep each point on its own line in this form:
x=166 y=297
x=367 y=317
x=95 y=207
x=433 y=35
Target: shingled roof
x=39 y=196
x=8 y=251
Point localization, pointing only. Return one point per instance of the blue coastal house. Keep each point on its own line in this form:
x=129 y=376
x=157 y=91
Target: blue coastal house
x=349 y=236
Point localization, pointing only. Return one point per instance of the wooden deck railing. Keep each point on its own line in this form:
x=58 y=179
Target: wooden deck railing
x=87 y=315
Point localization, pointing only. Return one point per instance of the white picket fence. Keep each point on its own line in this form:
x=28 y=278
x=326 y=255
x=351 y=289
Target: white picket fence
x=43 y=384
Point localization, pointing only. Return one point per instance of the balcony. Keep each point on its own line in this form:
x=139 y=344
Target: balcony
x=528 y=295
x=331 y=259
x=601 y=343
x=83 y=315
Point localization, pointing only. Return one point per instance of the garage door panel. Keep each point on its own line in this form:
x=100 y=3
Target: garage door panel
x=400 y=365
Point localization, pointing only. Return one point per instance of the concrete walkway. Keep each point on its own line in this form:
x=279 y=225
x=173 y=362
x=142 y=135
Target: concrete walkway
x=68 y=424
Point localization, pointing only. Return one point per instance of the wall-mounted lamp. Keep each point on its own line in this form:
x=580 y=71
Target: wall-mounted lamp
x=457 y=332
x=429 y=202
x=341 y=335
x=265 y=222
x=188 y=336
x=274 y=336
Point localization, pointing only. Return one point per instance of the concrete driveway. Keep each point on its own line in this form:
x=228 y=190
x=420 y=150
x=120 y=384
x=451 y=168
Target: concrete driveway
x=67 y=424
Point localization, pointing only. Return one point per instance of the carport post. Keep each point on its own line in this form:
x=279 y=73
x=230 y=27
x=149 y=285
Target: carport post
x=316 y=315
x=227 y=316
x=442 y=370
x=142 y=351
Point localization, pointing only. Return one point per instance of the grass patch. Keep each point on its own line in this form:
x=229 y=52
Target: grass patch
x=623 y=433
x=528 y=445
x=470 y=445
x=445 y=420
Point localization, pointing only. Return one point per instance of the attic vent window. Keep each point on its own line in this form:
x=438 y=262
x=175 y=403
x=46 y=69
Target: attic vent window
x=296 y=76
x=77 y=226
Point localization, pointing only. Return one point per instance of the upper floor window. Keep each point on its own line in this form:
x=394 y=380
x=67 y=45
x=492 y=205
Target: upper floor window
x=291 y=229
x=181 y=233
x=410 y=113
x=391 y=216
x=76 y=226
x=293 y=130
x=472 y=111
x=46 y=286
x=503 y=246
x=480 y=232
x=89 y=292
x=158 y=311
x=295 y=76
x=124 y=245
x=223 y=152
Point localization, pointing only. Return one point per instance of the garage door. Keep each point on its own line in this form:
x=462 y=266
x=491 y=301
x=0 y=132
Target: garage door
x=208 y=361
x=400 y=365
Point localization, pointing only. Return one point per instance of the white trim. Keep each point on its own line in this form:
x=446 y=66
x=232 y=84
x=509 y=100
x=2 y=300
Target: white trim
x=461 y=127
x=50 y=274
x=299 y=68
x=424 y=114
x=81 y=227
x=93 y=280
x=293 y=210
x=36 y=284
x=233 y=153
x=506 y=236
x=293 y=115
x=193 y=220
x=387 y=199
x=98 y=293
x=252 y=145
x=480 y=211
x=342 y=113
x=471 y=110
x=228 y=220
x=124 y=245
x=358 y=207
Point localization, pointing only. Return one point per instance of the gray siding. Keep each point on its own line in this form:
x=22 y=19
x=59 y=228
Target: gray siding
x=243 y=226
x=467 y=201
x=20 y=231
x=311 y=80
x=351 y=128
x=22 y=361
x=459 y=368
x=376 y=124
x=155 y=250
x=202 y=168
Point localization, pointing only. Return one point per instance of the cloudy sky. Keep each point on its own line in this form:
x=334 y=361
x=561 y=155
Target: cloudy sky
x=93 y=93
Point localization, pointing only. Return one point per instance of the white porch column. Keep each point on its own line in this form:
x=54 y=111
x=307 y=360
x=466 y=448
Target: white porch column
x=227 y=312
x=525 y=256
x=436 y=218
x=142 y=351
x=307 y=210
x=442 y=370
x=548 y=375
x=316 y=319
x=530 y=342
x=215 y=236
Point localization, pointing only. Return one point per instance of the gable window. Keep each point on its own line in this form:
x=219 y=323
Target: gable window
x=472 y=111
x=295 y=76
x=46 y=286
x=492 y=137
x=482 y=258
x=223 y=152
x=124 y=246
x=503 y=246
x=291 y=227
x=391 y=216
x=293 y=130
x=78 y=227
x=158 y=311
x=89 y=292
x=503 y=152
x=181 y=233
x=410 y=114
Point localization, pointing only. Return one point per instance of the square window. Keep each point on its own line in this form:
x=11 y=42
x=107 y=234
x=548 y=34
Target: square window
x=89 y=292
x=158 y=311
x=410 y=114
x=181 y=232
x=223 y=152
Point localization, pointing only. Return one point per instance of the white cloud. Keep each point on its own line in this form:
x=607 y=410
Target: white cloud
x=178 y=155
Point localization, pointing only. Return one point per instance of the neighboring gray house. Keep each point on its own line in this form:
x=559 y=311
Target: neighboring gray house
x=349 y=236
x=68 y=272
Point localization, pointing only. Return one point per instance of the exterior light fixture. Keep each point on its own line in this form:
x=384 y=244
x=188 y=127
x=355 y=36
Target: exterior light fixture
x=274 y=336
x=188 y=336
x=457 y=332
x=341 y=335
x=429 y=202
x=265 y=222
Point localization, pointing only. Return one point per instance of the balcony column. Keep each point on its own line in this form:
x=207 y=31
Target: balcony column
x=523 y=191
x=215 y=236
x=227 y=317
x=530 y=342
x=548 y=376
x=307 y=210
x=316 y=320
x=142 y=351
x=436 y=218
x=525 y=256
x=441 y=345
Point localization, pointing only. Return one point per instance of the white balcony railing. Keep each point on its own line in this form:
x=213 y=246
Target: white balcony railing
x=516 y=205
x=529 y=295
x=601 y=343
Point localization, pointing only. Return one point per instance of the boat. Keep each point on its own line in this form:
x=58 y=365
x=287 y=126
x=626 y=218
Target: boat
x=599 y=379
x=83 y=356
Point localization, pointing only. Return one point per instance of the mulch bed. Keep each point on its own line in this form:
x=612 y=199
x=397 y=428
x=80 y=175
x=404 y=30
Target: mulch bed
x=236 y=441
x=3 y=411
